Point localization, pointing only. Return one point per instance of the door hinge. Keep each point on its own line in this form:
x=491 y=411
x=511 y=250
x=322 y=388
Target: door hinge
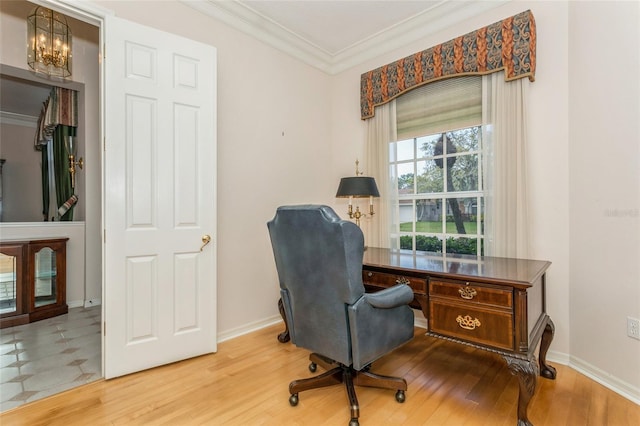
x=104 y=328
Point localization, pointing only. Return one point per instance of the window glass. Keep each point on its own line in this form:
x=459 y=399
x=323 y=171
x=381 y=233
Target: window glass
x=440 y=198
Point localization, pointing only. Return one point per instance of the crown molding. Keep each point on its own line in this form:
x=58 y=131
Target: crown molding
x=18 y=119
x=430 y=21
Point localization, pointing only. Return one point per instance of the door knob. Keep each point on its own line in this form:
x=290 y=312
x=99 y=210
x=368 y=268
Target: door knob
x=206 y=239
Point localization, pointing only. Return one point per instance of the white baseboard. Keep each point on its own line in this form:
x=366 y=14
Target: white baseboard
x=248 y=328
x=420 y=321
x=622 y=388
x=559 y=357
x=92 y=302
x=75 y=303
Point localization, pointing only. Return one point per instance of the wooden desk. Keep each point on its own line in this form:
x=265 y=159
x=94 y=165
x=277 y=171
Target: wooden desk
x=494 y=304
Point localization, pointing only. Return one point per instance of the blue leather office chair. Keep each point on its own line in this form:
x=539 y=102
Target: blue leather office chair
x=319 y=262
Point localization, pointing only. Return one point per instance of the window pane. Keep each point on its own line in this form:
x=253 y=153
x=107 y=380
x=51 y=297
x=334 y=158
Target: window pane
x=462 y=216
x=406 y=242
x=427 y=144
x=464 y=245
x=428 y=244
x=405 y=178
x=406 y=215
x=430 y=177
x=405 y=150
x=465 y=140
x=463 y=172
x=428 y=216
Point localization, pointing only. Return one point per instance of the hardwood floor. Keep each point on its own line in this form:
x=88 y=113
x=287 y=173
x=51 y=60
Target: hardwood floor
x=246 y=383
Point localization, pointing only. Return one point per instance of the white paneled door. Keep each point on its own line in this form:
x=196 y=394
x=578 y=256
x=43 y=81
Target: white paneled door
x=160 y=210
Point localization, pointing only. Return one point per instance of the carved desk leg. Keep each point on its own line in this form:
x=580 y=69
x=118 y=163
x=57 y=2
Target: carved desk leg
x=527 y=373
x=284 y=336
x=546 y=370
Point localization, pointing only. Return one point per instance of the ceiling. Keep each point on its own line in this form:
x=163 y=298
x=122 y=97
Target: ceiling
x=334 y=35
x=327 y=34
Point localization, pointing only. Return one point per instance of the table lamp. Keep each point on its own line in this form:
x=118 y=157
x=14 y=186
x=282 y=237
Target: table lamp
x=358 y=187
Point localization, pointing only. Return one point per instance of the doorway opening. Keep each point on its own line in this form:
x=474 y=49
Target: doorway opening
x=52 y=355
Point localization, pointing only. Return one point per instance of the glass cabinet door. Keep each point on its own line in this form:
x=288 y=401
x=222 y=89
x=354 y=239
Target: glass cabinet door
x=44 y=277
x=8 y=284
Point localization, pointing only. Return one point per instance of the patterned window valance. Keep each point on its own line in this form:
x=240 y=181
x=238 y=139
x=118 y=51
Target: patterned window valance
x=61 y=107
x=508 y=45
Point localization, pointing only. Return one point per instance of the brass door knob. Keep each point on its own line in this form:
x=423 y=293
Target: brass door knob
x=206 y=239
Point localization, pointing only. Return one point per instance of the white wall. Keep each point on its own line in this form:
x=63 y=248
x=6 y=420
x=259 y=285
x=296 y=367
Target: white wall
x=21 y=176
x=13 y=36
x=604 y=170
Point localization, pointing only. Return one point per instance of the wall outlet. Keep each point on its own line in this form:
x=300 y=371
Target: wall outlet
x=633 y=328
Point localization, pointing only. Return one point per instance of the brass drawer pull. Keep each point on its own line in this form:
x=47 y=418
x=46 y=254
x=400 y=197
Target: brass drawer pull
x=369 y=274
x=467 y=292
x=467 y=322
x=403 y=280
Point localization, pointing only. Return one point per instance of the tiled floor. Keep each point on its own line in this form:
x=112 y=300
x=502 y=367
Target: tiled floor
x=49 y=356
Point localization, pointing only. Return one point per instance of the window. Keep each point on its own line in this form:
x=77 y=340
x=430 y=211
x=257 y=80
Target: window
x=440 y=199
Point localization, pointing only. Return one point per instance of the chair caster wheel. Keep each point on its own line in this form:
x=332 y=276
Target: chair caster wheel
x=293 y=400
x=400 y=397
x=354 y=422
x=313 y=367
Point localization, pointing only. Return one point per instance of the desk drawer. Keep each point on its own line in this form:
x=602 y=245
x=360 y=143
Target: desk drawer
x=384 y=280
x=472 y=323
x=471 y=293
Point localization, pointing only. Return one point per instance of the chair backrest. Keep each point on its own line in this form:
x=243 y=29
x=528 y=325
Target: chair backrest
x=319 y=262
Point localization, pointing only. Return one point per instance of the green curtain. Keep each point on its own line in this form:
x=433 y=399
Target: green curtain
x=61 y=167
x=45 y=181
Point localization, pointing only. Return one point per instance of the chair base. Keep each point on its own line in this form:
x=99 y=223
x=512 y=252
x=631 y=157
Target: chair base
x=338 y=373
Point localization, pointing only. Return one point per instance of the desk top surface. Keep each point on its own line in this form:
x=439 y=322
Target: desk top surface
x=521 y=272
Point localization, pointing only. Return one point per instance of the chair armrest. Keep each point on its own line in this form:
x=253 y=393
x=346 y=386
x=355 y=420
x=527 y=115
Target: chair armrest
x=391 y=297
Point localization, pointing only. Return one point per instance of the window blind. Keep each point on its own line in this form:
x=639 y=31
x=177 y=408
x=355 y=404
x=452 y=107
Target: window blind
x=450 y=104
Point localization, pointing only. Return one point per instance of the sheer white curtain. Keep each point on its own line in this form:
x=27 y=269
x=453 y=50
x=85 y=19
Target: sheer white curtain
x=505 y=137
x=381 y=129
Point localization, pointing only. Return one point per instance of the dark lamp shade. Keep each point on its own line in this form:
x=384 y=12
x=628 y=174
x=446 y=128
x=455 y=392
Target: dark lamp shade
x=357 y=186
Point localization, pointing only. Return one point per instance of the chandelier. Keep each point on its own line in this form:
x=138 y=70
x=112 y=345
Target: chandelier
x=49 y=43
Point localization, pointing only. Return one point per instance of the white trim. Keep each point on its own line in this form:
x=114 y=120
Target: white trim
x=24 y=120
x=60 y=224
x=622 y=388
x=75 y=304
x=559 y=357
x=249 y=328
x=92 y=302
x=419 y=320
x=245 y=19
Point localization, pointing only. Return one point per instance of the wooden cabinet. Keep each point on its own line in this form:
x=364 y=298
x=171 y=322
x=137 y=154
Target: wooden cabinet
x=32 y=280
